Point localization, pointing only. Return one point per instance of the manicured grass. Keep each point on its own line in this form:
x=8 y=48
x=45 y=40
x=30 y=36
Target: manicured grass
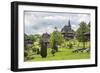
x=63 y=54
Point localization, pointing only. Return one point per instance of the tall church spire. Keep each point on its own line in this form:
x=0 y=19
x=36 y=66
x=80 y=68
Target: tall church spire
x=69 y=23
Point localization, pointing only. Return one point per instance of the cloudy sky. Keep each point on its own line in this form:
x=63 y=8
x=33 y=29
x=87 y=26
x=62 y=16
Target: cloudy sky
x=41 y=22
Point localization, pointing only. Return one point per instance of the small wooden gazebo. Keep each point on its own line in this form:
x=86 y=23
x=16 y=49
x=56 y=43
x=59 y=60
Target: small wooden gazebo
x=45 y=37
x=87 y=34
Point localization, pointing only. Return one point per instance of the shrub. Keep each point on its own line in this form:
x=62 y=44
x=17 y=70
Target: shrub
x=70 y=45
x=43 y=50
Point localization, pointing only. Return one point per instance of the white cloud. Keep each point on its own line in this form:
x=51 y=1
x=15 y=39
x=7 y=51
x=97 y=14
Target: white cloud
x=41 y=22
x=85 y=18
x=55 y=17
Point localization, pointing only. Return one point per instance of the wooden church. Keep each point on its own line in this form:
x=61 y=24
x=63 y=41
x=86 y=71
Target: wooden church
x=67 y=32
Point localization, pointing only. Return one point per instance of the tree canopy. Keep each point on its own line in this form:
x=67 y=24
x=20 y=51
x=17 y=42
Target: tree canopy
x=83 y=28
x=56 y=36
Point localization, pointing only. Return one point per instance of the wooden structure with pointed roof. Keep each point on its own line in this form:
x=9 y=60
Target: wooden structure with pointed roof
x=67 y=31
x=45 y=37
x=27 y=41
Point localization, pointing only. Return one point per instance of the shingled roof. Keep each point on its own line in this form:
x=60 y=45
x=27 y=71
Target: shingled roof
x=67 y=31
x=45 y=37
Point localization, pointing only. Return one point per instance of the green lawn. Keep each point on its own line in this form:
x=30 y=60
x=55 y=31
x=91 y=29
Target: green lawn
x=63 y=54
